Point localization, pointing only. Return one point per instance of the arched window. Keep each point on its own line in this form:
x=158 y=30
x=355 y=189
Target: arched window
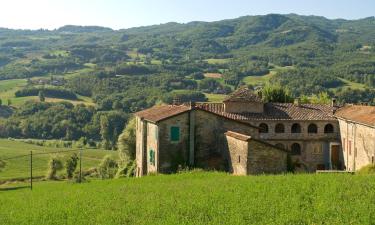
x=296 y=128
x=312 y=129
x=279 y=145
x=296 y=149
x=328 y=129
x=263 y=128
x=279 y=128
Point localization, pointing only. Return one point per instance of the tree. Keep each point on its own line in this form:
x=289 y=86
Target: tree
x=1 y=102
x=9 y=102
x=126 y=142
x=41 y=96
x=54 y=165
x=71 y=165
x=276 y=93
x=107 y=167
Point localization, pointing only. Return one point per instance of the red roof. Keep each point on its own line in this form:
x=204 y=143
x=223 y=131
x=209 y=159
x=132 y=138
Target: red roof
x=358 y=113
x=162 y=112
x=277 y=111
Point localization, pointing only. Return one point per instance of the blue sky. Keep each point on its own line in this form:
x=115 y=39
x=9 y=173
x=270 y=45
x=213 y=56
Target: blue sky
x=50 y=14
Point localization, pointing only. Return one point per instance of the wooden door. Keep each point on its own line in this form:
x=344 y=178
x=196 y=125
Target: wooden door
x=335 y=156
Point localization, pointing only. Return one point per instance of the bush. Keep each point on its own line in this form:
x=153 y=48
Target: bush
x=54 y=165
x=107 y=168
x=127 y=170
x=71 y=165
x=369 y=169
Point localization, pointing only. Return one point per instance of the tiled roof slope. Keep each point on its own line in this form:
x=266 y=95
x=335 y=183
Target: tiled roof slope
x=358 y=113
x=278 y=111
x=243 y=95
x=161 y=112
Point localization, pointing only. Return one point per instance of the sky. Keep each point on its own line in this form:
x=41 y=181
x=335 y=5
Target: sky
x=117 y=14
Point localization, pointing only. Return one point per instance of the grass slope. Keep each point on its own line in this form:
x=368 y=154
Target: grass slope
x=197 y=198
x=19 y=168
x=8 y=89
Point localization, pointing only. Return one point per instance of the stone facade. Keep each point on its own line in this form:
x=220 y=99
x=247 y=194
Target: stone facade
x=196 y=135
x=314 y=147
x=358 y=141
x=249 y=156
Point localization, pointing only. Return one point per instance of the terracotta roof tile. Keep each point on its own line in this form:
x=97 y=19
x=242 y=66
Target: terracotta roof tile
x=243 y=95
x=277 y=111
x=238 y=136
x=162 y=112
x=358 y=113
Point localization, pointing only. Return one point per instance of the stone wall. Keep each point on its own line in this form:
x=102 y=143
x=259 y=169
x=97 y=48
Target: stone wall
x=238 y=154
x=173 y=153
x=315 y=147
x=211 y=145
x=141 y=131
x=248 y=156
x=358 y=143
x=264 y=158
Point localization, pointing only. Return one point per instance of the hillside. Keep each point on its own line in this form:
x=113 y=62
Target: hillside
x=115 y=73
x=196 y=198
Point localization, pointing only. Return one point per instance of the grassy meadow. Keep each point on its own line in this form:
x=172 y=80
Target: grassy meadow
x=8 y=89
x=19 y=167
x=196 y=198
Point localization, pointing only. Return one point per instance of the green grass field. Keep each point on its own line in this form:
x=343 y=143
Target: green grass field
x=19 y=168
x=196 y=198
x=8 y=89
x=215 y=97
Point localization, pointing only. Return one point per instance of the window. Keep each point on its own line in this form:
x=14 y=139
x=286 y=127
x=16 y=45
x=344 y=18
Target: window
x=296 y=128
x=350 y=147
x=239 y=159
x=175 y=134
x=152 y=157
x=328 y=129
x=343 y=144
x=296 y=149
x=263 y=128
x=312 y=129
x=279 y=128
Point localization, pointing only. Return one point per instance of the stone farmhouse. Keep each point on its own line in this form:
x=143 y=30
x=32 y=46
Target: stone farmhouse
x=243 y=135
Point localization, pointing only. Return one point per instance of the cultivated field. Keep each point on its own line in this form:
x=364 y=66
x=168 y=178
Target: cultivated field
x=196 y=198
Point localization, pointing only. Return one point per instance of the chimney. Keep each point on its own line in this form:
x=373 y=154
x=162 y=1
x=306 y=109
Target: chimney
x=297 y=101
x=334 y=102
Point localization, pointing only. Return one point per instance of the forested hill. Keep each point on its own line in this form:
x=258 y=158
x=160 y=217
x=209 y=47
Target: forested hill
x=307 y=54
x=118 y=72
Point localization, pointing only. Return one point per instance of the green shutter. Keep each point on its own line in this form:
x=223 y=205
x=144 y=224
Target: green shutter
x=152 y=157
x=175 y=134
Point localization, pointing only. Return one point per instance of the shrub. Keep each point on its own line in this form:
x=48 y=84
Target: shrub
x=54 y=165
x=369 y=169
x=107 y=167
x=71 y=165
x=127 y=170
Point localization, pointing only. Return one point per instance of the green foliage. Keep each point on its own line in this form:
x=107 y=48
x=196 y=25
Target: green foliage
x=52 y=92
x=369 y=169
x=41 y=96
x=107 y=168
x=127 y=143
x=276 y=93
x=54 y=165
x=71 y=165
